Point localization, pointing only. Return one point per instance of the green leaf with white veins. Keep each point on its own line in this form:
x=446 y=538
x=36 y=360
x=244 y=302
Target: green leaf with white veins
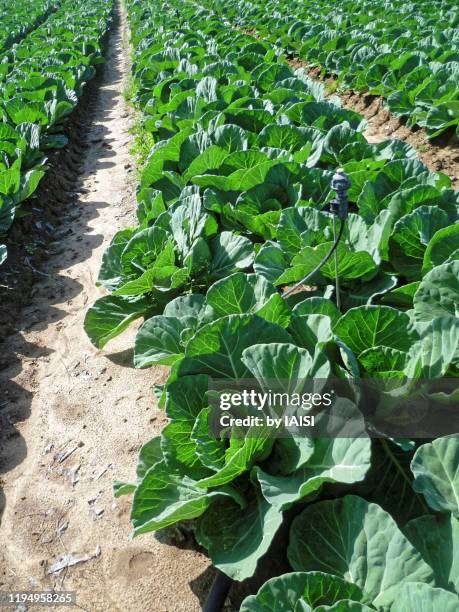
x=318 y=305
x=405 y=201
x=244 y=170
x=443 y=247
x=290 y=230
x=29 y=182
x=436 y=474
x=207 y=88
x=282 y=593
x=329 y=149
x=244 y=178
x=230 y=137
x=287 y=137
x=239 y=293
x=284 y=362
x=235 y=538
x=431 y=356
x=210 y=450
x=359 y=542
x=343 y=460
x=263 y=224
x=350 y=265
x=158 y=341
x=164 y=498
x=270 y=261
x=230 y=253
x=216 y=348
x=254 y=447
x=210 y=159
x=150 y=454
x=410 y=237
x=441 y=117
x=424 y=598
x=311 y=331
x=364 y=237
x=344 y=605
x=160 y=276
x=185 y=398
x=188 y=221
x=111 y=315
x=438 y=293
x=192 y=310
x=142 y=249
x=436 y=537
x=195 y=144
x=276 y=311
x=368 y=326
x=111 y=273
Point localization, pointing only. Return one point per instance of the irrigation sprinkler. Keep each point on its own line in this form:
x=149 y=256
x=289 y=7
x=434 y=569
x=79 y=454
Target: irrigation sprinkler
x=340 y=183
x=340 y=209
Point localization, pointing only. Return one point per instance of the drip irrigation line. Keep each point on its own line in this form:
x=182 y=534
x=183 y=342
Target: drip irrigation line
x=218 y=593
x=321 y=263
x=338 y=298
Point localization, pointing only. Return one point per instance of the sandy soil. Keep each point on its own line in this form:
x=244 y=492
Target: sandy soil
x=72 y=418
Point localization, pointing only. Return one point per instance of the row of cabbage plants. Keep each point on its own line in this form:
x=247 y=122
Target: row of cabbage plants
x=406 y=52
x=41 y=79
x=232 y=208
x=18 y=20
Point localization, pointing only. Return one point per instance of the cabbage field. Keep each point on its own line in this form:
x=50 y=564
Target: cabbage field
x=234 y=271
x=232 y=208
x=406 y=52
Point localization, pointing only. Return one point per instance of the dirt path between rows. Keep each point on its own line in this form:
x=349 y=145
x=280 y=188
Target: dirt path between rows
x=72 y=419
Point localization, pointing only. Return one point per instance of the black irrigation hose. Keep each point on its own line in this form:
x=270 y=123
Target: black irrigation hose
x=218 y=593
x=320 y=264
